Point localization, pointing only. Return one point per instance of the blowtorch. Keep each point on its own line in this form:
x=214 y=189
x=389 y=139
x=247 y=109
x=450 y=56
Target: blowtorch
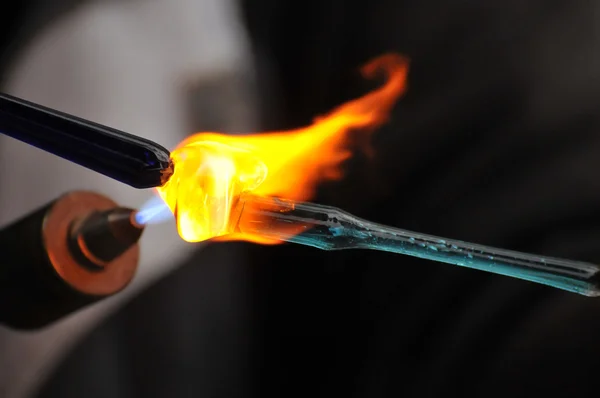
x=70 y=253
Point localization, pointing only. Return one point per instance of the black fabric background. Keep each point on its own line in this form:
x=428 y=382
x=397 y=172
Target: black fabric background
x=497 y=141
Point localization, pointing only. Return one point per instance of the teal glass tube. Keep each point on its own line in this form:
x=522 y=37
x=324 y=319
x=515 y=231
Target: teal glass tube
x=329 y=228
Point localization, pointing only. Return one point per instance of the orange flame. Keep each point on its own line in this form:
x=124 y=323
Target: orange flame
x=212 y=170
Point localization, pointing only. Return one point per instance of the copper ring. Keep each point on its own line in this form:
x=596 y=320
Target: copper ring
x=71 y=207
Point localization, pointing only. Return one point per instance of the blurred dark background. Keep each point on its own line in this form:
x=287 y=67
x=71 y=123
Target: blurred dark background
x=497 y=141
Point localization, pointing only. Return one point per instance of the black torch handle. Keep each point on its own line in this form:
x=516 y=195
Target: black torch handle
x=31 y=294
x=127 y=158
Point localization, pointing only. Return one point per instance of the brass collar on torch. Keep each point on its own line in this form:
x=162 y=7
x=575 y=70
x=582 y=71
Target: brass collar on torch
x=105 y=279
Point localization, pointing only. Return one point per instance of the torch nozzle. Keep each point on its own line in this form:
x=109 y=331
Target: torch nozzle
x=101 y=237
x=329 y=228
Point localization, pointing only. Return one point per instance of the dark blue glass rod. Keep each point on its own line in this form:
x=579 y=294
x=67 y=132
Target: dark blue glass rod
x=130 y=159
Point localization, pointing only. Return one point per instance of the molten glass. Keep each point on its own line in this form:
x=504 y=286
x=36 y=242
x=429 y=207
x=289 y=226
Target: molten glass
x=212 y=170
